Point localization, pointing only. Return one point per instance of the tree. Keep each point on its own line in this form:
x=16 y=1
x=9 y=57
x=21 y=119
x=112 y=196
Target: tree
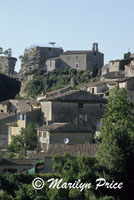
x=116 y=151
x=127 y=55
x=1 y=50
x=95 y=71
x=52 y=43
x=21 y=57
x=27 y=140
x=18 y=97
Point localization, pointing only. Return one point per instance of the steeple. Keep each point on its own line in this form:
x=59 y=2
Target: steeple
x=95 y=47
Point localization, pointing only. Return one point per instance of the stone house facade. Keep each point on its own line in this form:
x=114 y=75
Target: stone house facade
x=129 y=69
x=74 y=106
x=4 y=119
x=100 y=88
x=115 y=66
x=80 y=60
x=24 y=118
x=62 y=133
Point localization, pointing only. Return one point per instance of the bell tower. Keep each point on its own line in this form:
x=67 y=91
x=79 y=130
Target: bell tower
x=95 y=47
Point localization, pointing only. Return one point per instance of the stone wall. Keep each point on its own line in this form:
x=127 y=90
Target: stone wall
x=77 y=61
x=4 y=129
x=70 y=112
x=7 y=65
x=74 y=138
x=35 y=59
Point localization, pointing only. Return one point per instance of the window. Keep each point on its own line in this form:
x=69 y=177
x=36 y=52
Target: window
x=100 y=105
x=76 y=65
x=80 y=105
x=10 y=131
x=92 y=90
x=44 y=134
x=25 y=117
x=85 y=118
x=16 y=131
x=22 y=117
x=40 y=134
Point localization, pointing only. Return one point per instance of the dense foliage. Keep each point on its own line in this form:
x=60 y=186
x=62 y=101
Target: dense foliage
x=116 y=151
x=9 y=87
x=19 y=186
x=59 y=78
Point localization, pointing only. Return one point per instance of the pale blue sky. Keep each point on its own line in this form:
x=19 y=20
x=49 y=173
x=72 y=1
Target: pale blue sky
x=72 y=24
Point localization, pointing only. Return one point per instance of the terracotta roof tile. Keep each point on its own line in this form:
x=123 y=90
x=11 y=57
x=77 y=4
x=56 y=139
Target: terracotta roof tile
x=74 y=149
x=17 y=161
x=64 y=127
x=74 y=96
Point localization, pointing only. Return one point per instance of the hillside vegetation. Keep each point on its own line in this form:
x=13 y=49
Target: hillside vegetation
x=9 y=87
x=59 y=78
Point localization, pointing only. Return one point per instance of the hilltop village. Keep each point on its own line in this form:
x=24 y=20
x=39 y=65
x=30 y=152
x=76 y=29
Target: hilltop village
x=68 y=119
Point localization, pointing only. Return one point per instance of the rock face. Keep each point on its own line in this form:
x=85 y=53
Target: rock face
x=7 y=65
x=35 y=59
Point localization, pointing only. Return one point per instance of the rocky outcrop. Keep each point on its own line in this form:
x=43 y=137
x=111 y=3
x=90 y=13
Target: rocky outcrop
x=34 y=59
x=7 y=65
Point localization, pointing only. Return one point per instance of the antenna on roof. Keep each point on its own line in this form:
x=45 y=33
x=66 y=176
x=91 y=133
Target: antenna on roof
x=66 y=141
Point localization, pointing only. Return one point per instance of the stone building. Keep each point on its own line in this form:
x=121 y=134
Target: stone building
x=9 y=114
x=129 y=69
x=100 y=88
x=75 y=106
x=7 y=65
x=80 y=59
x=115 y=66
x=4 y=119
x=34 y=59
x=103 y=88
x=53 y=63
x=24 y=118
x=62 y=133
x=74 y=150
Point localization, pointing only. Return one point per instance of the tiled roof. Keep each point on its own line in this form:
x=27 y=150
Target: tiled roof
x=5 y=102
x=74 y=149
x=17 y=161
x=29 y=111
x=5 y=115
x=76 y=52
x=93 y=84
x=118 y=74
x=75 y=96
x=35 y=155
x=23 y=105
x=56 y=92
x=12 y=124
x=64 y=127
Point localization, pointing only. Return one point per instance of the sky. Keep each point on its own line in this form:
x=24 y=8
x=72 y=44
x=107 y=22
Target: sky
x=72 y=24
